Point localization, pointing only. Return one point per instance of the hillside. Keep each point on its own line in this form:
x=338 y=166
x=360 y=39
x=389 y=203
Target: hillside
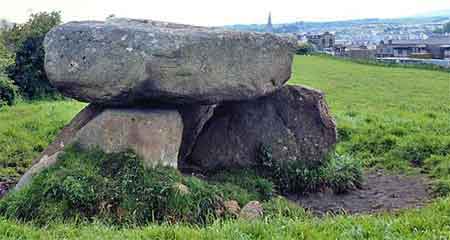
x=304 y=26
x=388 y=118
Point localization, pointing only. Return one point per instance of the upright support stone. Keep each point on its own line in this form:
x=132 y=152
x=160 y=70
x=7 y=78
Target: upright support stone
x=294 y=122
x=153 y=134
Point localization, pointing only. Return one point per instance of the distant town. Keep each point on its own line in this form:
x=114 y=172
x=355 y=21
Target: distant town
x=413 y=40
x=418 y=40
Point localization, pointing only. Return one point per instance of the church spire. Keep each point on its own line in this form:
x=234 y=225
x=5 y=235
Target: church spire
x=269 y=23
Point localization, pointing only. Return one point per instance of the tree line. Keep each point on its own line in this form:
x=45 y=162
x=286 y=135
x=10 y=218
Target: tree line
x=22 y=73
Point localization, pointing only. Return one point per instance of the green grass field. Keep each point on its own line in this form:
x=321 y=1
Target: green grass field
x=392 y=118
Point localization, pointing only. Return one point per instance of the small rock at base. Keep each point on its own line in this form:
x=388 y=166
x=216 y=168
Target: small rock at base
x=182 y=189
x=232 y=207
x=251 y=211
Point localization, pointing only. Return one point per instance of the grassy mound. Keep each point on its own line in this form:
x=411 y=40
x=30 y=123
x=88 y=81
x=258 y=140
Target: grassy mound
x=116 y=189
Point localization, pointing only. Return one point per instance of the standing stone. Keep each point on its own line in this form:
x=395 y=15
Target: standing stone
x=123 y=61
x=153 y=134
x=294 y=122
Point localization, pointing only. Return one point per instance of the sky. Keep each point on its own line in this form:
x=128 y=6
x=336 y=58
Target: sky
x=223 y=12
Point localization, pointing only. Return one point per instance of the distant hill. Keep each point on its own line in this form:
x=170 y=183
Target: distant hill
x=335 y=25
x=440 y=13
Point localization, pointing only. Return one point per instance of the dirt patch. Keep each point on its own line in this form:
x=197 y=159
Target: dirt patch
x=381 y=192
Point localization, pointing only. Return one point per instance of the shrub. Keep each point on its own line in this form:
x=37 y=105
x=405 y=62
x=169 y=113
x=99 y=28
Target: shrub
x=6 y=57
x=27 y=42
x=37 y=25
x=8 y=91
x=340 y=173
x=304 y=49
x=28 y=70
x=343 y=174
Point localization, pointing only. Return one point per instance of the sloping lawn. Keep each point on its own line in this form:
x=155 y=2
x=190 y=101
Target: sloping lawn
x=392 y=118
x=26 y=129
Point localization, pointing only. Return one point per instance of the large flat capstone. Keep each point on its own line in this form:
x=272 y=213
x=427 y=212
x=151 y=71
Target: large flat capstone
x=123 y=61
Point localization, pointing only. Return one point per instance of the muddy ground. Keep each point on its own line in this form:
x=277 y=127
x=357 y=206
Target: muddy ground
x=380 y=192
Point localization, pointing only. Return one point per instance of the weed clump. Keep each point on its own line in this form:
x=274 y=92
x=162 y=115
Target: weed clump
x=339 y=173
x=244 y=185
x=279 y=207
x=343 y=173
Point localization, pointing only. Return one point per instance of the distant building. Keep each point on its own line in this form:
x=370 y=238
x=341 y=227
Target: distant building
x=322 y=41
x=301 y=37
x=269 y=27
x=435 y=48
x=354 y=51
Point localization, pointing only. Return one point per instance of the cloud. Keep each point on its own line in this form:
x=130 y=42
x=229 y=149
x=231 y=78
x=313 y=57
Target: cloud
x=210 y=12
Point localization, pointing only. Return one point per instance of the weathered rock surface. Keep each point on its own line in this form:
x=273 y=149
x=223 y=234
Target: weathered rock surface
x=153 y=134
x=294 y=122
x=122 y=61
x=67 y=136
x=194 y=118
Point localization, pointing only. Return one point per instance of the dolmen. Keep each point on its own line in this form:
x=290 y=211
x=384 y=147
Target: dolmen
x=183 y=96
